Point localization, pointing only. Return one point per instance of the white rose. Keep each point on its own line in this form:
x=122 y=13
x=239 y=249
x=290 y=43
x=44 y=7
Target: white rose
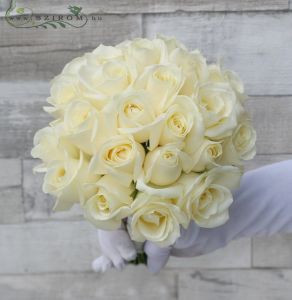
x=206 y=156
x=171 y=43
x=216 y=74
x=208 y=196
x=219 y=107
x=183 y=123
x=74 y=65
x=143 y=52
x=101 y=81
x=156 y=219
x=241 y=145
x=110 y=203
x=135 y=116
x=163 y=83
x=194 y=68
x=50 y=146
x=64 y=89
x=66 y=180
x=86 y=127
x=163 y=165
x=121 y=157
x=104 y=54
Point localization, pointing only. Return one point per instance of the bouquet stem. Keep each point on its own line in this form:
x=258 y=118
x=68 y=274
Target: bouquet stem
x=141 y=257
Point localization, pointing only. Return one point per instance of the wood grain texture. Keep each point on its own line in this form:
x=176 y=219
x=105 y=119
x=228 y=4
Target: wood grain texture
x=11 y=206
x=236 y=285
x=253 y=44
x=47 y=247
x=10 y=173
x=21 y=115
x=256 y=45
x=41 y=54
x=236 y=255
x=133 y=283
x=272 y=252
x=271 y=117
x=153 y=6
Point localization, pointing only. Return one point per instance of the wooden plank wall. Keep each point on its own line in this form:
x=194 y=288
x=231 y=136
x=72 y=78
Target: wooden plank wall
x=46 y=255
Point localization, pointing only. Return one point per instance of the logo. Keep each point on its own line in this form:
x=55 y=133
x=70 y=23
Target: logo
x=23 y=17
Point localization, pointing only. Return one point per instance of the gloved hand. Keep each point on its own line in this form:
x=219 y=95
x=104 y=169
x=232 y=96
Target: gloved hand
x=117 y=248
x=262 y=206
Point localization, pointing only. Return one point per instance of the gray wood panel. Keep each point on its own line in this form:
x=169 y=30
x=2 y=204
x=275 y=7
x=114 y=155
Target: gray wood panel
x=236 y=285
x=133 y=283
x=42 y=53
x=272 y=252
x=271 y=117
x=21 y=115
x=256 y=45
x=156 y=6
x=10 y=173
x=236 y=255
x=47 y=247
x=11 y=206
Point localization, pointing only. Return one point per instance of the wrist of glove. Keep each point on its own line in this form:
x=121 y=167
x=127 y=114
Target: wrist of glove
x=118 y=249
x=262 y=206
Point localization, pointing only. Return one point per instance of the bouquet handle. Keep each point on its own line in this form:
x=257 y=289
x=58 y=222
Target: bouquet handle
x=141 y=257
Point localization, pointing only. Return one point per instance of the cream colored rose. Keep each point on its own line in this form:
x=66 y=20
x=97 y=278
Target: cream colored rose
x=163 y=83
x=64 y=89
x=183 y=123
x=194 y=69
x=171 y=43
x=110 y=203
x=104 y=54
x=143 y=52
x=208 y=195
x=163 y=165
x=241 y=145
x=120 y=157
x=85 y=127
x=66 y=180
x=219 y=107
x=206 y=156
x=216 y=74
x=50 y=146
x=74 y=65
x=135 y=116
x=102 y=81
x=156 y=219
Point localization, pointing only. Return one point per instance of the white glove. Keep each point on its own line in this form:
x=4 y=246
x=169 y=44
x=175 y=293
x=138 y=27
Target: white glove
x=116 y=247
x=262 y=206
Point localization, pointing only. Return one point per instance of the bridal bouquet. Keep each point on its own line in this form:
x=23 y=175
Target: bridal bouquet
x=146 y=134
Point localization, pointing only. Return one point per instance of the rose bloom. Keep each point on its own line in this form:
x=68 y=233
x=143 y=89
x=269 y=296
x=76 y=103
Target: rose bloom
x=65 y=180
x=156 y=219
x=208 y=195
x=120 y=157
x=110 y=203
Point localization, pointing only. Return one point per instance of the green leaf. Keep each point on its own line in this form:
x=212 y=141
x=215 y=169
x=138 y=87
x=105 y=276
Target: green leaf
x=134 y=194
x=44 y=26
x=20 y=10
x=146 y=146
x=53 y=25
x=61 y=24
